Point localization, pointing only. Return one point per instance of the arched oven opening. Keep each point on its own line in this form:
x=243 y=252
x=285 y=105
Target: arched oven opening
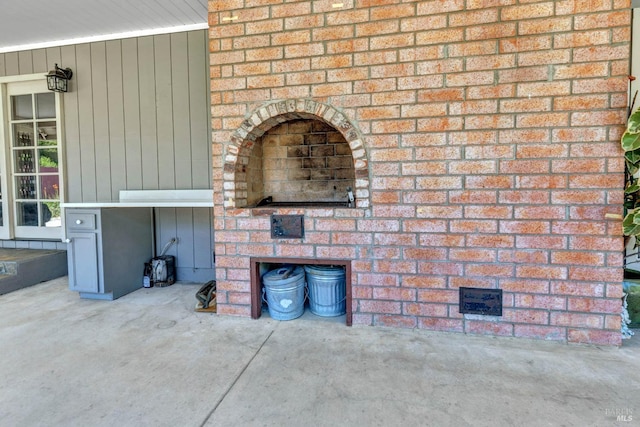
x=301 y=162
x=296 y=153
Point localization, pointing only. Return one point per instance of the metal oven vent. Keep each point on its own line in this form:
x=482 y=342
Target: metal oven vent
x=487 y=302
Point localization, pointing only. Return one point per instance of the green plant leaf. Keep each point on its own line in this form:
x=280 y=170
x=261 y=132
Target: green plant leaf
x=630 y=141
x=631 y=223
x=632 y=188
x=633 y=156
x=631 y=137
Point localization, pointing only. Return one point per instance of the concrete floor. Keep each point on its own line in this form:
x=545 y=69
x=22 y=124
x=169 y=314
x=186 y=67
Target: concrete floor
x=148 y=359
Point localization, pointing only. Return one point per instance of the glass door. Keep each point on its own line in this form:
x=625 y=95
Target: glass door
x=34 y=161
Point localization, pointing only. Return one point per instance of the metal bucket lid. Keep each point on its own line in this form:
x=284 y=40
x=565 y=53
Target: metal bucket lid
x=283 y=275
x=324 y=270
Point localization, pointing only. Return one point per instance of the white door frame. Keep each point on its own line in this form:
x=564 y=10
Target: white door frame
x=13 y=85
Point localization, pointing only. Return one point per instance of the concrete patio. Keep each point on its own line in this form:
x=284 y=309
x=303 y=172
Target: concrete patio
x=148 y=359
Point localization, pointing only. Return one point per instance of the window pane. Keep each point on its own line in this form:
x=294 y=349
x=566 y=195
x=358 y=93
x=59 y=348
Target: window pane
x=48 y=160
x=26 y=187
x=21 y=108
x=27 y=214
x=49 y=187
x=45 y=105
x=23 y=135
x=47 y=133
x=50 y=214
x=24 y=161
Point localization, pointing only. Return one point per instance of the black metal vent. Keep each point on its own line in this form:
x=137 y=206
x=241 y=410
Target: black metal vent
x=287 y=226
x=487 y=302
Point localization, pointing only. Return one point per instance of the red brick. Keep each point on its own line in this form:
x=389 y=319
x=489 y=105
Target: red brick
x=488 y=328
x=605 y=118
x=591 y=305
x=546 y=302
x=577 y=320
x=433 y=254
x=541 y=242
x=423 y=197
x=524 y=227
x=474 y=226
x=422 y=281
x=577 y=288
x=541 y=272
x=581 y=102
x=421 y=22
x=373 y=306
x=541 y=181
x=495 y=212
x=532 y=317
x=525 y=285
x=469 y=79
x=577 y=258
x=593 y=53
x=596 y=243
x=428 y=310
x=474 y=255
x=378 y=279
x=438 y=296
x=529 y=59
x=490 y=241
x=537 y=89
x=494 y=182
x=491 y=92
x=578 y=227
x=438 y=36
x=524 y=166
x=361 y=292
x=472 y=282
x=591 y=336
x=439 y=124
x=395 y=321
x=524 y=256
x=394 y=294
x=234 y=310
x=489 y=270
x=440 y=268
x=596 y=274
x=440 y=324
x=550 y=25
x=332 y=33
x=386 y=266
x=540 y=332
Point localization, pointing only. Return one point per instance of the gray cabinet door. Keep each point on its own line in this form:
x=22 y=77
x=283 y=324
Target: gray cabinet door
x=83 y=262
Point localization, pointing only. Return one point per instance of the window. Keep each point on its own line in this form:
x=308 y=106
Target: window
x=30 y=172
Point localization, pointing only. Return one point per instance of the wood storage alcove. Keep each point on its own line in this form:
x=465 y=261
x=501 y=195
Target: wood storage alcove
x=256 y=293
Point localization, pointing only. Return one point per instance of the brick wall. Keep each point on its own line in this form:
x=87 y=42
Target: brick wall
x=485 y=143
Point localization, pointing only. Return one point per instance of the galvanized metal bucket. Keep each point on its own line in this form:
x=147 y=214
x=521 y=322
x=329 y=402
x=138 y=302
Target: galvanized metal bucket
x=284 y=289
x=327 y=290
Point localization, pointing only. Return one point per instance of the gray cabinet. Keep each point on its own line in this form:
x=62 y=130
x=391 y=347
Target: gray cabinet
x=107 y=249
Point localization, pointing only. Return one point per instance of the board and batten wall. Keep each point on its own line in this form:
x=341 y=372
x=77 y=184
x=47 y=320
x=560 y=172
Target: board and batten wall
x=137 y=117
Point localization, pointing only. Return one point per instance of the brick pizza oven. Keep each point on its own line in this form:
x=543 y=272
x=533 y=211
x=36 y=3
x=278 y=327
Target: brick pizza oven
x=480 y=141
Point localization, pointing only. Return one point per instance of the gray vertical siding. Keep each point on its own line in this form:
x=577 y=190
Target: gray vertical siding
x=137 y=118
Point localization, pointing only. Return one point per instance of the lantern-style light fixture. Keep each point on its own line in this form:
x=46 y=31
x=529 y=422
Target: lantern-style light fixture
x=58 y=79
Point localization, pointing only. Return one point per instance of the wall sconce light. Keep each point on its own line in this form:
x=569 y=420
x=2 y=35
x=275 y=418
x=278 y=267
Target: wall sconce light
x=58 y=79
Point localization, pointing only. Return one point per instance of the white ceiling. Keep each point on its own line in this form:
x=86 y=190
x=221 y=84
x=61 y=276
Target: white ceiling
x=28 y=24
